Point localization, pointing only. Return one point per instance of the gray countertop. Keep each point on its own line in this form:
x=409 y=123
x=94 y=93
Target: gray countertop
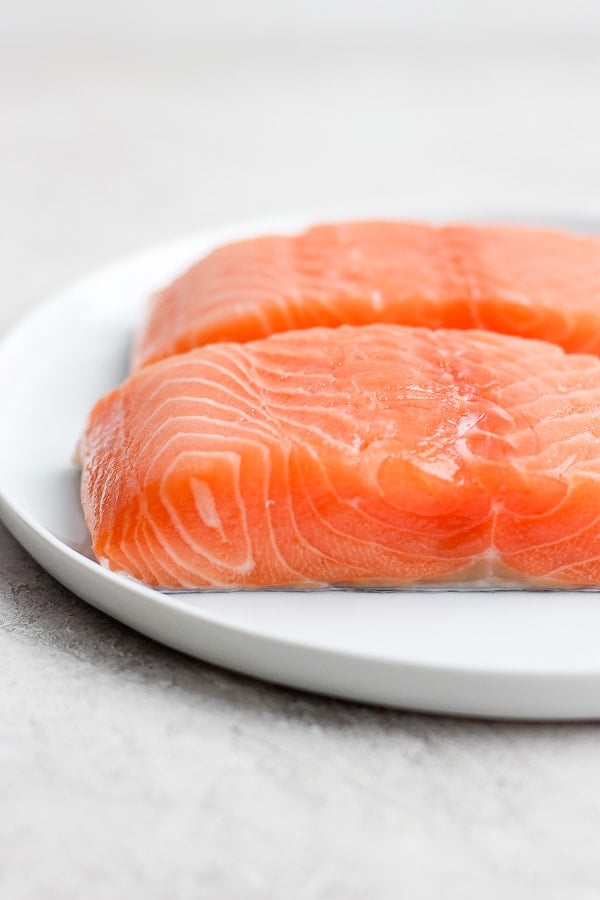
x=130 y=770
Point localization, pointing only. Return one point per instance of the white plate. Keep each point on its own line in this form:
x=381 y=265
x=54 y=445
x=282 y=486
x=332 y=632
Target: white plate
x=511 y=654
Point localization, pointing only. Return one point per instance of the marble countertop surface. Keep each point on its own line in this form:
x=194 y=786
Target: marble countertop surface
x=128 y=770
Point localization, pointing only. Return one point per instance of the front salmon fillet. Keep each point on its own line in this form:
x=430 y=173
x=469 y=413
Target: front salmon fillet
x=379 y=455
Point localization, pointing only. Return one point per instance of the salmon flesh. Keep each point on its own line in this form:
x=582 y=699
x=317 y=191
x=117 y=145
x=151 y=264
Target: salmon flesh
x=529 y=282
x=373 y=455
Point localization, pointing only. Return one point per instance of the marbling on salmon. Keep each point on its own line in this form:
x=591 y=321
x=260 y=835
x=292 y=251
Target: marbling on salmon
x=373 y=455
x=528 y=282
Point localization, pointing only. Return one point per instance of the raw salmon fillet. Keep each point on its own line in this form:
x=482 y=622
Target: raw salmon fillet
x=373 y=455
x=527 y=282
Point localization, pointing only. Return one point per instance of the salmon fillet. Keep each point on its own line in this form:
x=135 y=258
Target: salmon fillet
x=377 y=455
x=528 y=282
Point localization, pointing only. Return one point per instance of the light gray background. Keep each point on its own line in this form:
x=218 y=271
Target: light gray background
x=127 y=770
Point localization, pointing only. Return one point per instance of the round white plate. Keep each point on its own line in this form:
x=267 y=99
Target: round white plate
x=510 y=654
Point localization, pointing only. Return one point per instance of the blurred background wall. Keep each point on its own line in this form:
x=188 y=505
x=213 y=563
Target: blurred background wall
x=127 y=122
x=239 y=20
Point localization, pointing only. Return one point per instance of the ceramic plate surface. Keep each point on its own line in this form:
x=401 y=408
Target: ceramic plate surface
x=507 y=653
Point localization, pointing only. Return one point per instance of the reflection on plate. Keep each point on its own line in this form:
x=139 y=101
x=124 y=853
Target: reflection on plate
x=514 y=654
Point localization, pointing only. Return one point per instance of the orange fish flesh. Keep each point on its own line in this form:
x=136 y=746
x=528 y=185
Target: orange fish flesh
x=528 y=282
x=379 y=455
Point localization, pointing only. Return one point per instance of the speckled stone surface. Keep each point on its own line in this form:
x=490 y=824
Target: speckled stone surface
x=128 y=770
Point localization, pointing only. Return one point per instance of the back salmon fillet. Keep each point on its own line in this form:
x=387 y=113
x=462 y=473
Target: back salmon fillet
x=379 y=455
x=527 y=282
